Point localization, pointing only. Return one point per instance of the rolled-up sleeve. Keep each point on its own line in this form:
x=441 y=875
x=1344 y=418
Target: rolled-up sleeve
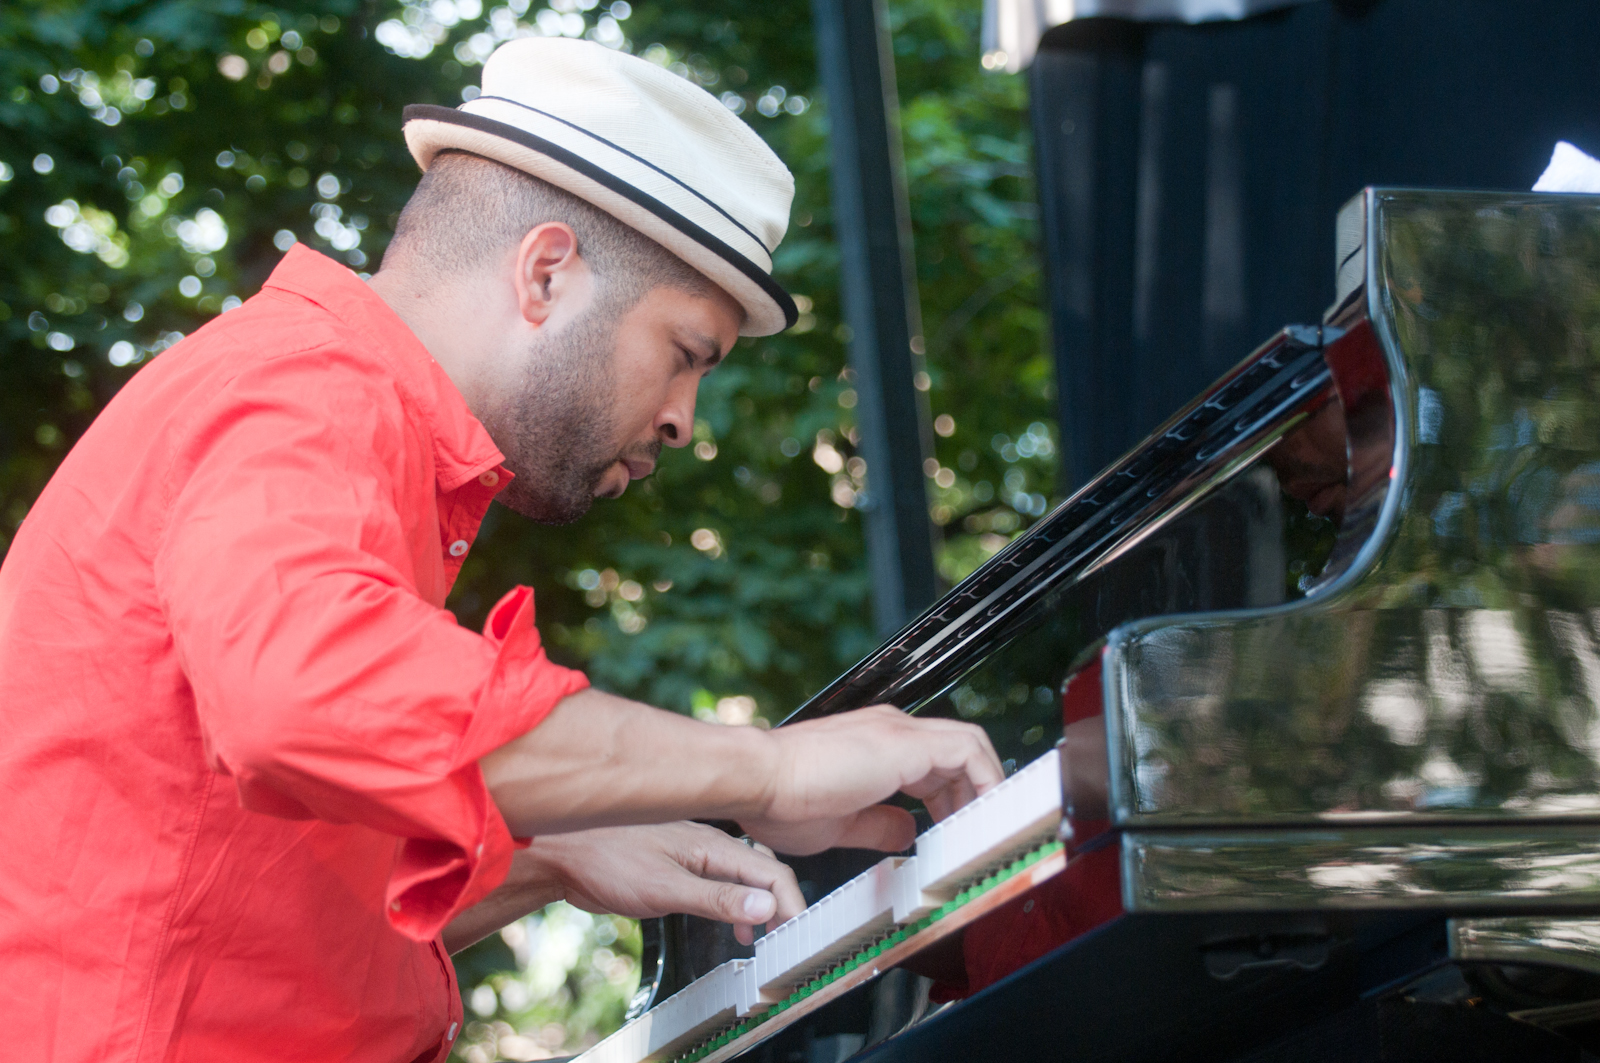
x=324 y=683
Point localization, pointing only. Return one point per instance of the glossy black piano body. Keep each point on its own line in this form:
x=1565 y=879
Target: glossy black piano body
x=1346 y=767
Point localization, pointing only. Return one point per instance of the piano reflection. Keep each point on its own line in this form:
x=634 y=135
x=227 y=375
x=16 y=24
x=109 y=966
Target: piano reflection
x=1304 y=694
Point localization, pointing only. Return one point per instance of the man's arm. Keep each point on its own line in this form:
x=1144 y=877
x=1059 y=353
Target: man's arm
x=600 y=760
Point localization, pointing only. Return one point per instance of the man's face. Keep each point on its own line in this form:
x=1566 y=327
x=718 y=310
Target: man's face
x=592 y=402
x=1311 y=461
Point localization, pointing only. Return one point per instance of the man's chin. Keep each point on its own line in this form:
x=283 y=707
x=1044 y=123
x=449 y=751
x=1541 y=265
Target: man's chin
x=543 y=509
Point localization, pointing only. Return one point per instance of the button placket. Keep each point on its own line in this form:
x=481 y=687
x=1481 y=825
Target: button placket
x=465 y=515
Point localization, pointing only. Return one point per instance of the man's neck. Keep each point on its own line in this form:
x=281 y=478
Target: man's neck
x=442 y=315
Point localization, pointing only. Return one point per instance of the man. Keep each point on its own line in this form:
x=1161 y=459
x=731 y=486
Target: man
x=256 y=780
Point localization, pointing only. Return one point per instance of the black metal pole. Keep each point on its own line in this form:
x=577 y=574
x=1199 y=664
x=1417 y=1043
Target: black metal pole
x=873 y=226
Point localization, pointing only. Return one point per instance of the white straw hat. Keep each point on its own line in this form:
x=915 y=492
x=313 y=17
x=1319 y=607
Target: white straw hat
x=642 y=144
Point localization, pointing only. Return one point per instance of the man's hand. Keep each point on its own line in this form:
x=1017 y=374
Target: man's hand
x=675 y=867
x=640 y=872
x=833 y=772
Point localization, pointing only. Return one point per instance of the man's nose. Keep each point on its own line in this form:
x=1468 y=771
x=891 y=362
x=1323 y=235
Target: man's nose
x=675 y=421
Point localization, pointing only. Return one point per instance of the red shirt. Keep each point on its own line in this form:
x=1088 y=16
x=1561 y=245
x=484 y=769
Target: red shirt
x=239 y=792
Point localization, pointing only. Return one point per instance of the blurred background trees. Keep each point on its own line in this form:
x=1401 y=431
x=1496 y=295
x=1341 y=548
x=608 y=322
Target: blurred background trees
x=157 y=157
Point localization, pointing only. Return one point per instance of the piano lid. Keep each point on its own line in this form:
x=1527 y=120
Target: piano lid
x=1195 y=453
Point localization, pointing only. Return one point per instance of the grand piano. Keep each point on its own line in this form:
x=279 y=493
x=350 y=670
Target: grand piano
x=1303 y=698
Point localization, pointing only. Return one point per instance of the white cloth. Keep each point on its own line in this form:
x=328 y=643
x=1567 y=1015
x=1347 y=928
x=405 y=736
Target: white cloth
x=1570 y=170
x=1012 y=28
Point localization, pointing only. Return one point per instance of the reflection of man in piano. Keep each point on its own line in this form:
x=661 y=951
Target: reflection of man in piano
x=257 y=780
x=1311 y=461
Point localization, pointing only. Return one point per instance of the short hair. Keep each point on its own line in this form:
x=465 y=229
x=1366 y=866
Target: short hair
x=468 y=211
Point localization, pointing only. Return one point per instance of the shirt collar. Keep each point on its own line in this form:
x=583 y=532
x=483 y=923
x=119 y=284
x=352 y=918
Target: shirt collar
x=462 y=448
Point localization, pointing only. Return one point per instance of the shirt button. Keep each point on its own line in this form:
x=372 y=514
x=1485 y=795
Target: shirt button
x=489 y=479
x=458 y=548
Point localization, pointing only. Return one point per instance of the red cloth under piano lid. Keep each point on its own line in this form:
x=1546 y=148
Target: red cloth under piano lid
x=1086 y=895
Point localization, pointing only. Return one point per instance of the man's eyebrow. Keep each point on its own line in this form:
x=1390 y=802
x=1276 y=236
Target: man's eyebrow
x=706 y=349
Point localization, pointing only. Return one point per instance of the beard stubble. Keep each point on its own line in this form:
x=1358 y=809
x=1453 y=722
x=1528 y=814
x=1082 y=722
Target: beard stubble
x=555 y=426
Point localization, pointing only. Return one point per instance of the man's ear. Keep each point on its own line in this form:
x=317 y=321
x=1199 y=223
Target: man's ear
x=552 y=280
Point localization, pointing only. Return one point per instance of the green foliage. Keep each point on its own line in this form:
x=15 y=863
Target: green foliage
x=552 y=983
x=188 y=139
x=143 y=186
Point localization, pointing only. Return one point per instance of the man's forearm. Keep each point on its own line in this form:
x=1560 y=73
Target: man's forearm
x=600 y=760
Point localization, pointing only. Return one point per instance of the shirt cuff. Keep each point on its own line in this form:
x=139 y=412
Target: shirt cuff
x=524 y=686
x=435 y=879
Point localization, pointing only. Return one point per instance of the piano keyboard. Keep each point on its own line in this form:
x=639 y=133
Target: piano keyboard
x=980 y=857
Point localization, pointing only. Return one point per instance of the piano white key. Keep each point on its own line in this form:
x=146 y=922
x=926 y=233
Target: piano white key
x=864 y=911
x=747 y=991
x=814 y=931
x=910 y=901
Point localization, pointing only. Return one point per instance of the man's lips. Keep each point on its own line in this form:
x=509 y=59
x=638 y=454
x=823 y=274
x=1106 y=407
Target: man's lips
x=617 y=475
x=1328 y=501
x=611 y=485
x=1322 y=495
